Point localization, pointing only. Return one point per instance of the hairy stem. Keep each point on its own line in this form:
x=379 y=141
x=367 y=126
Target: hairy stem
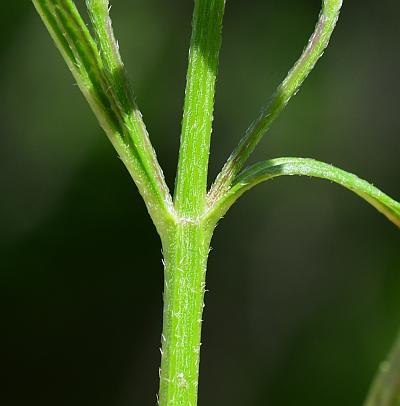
x=185 y=255
x=191 y=181
x=186 y=224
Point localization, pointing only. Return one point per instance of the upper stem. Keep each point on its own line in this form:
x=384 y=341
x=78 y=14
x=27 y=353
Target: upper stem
x=191 y=180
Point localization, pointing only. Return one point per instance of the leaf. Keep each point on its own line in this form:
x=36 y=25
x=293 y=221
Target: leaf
x=101 y=77
x=306 y=167
x=287 y=89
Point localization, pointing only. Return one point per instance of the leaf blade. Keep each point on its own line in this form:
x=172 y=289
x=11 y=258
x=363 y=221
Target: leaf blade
x=267 y=170
x=121 y=120
x=317 y=43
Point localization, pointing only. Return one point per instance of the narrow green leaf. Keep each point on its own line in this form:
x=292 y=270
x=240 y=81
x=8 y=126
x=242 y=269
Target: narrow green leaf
x=65 y=30
x=110 y=55
x=289 y=87
x=307 y=167
x=101 y=78
x=122 y=93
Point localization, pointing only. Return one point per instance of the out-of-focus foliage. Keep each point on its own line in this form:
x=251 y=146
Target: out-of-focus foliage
x=316 y=314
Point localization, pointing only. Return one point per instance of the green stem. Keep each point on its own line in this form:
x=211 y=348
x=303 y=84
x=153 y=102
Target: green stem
x=191 y=181
x=185 y=253
x=186 y=245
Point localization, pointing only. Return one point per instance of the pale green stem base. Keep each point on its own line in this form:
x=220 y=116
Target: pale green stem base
x=186 y=251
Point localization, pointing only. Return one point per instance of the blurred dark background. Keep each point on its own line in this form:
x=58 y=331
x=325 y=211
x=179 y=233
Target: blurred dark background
x=304 y=277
